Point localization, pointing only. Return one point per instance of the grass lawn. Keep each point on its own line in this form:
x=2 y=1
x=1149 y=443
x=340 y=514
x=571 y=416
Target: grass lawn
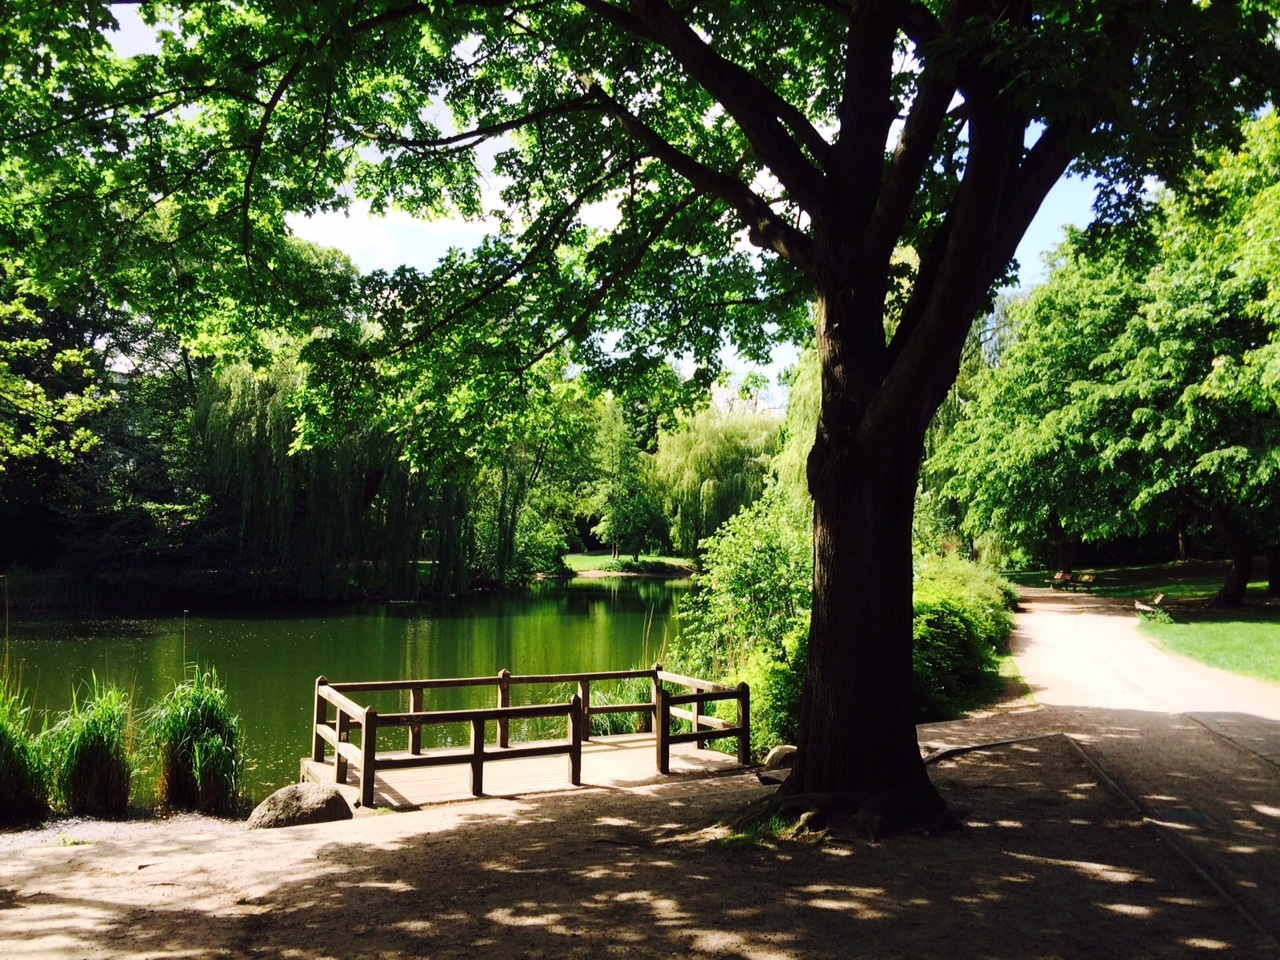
x=1177 y=581
x=651 y=564
x=1245 y=643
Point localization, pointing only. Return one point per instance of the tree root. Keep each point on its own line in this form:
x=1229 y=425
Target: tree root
x=870 y=815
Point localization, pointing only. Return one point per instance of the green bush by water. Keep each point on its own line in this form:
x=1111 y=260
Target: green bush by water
x=23 y=794
x=195 y=739
x=88 y=757
x=747 y=619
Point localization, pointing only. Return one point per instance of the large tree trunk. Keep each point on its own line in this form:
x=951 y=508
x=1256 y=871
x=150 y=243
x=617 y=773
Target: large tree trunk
x=1241 y=547
x=857 y=724
x=858 y=716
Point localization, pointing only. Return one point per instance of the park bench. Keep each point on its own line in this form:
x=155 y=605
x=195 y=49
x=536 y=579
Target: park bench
x=1062 y=580
x=1147 y=609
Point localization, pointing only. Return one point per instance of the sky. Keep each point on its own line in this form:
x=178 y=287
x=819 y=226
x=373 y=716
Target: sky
x=384 y=243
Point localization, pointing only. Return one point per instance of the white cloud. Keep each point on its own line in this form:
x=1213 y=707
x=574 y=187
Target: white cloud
x=384 y=243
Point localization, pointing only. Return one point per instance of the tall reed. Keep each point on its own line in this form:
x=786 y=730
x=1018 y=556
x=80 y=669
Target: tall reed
x=23 y=793
x=196 y=742
x=87 y=755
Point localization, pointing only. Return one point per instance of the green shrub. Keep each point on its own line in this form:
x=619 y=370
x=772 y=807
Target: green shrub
x=962 y=624
x=776 y=685
x=980 y=595
x=88 y=758
x=195 y=738
x=23 y=794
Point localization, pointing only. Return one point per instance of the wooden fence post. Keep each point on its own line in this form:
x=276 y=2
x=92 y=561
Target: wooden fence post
x=744 y=722
x=577 y=722
x=342 y=727
x=320 y=715
x=504 y=700
x=661 y=723
x=477 y=757
x=368 y=756
x=584 y=694
x=651 y=717
x=415 y=732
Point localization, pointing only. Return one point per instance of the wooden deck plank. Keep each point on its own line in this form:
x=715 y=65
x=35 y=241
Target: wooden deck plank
x=625 y=760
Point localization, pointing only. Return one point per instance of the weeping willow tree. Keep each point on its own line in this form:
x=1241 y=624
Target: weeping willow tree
x=331 y=522
x=708 y=469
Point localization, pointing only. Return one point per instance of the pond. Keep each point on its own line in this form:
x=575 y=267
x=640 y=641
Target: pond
x=268 y=661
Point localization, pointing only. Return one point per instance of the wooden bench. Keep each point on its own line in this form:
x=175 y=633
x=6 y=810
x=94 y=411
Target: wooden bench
x=1147 y=609
x=1062 y=580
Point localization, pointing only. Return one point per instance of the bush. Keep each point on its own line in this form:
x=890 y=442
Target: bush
x=23 y=794
x=747 y=617
x=776 y=685
x=962 y=624
x=747 y=620
x=88 y=758
x=195 y=738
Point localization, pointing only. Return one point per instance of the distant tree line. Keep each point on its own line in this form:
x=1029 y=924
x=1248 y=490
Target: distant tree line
x=140 y=470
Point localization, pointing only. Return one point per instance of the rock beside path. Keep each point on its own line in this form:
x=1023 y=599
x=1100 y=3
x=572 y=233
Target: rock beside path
x=299 y=804
x=780 y=757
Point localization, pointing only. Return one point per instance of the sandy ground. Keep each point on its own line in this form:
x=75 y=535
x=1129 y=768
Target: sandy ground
x=1131 y=826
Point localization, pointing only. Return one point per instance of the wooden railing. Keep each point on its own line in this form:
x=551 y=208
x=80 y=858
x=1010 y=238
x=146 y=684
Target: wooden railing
x=351 y=717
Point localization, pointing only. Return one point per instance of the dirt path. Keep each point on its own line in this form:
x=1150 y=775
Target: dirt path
x=1053 y=863
x=1196 y=750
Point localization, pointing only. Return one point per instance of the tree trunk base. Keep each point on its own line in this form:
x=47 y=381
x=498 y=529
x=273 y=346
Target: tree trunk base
x=870 y=815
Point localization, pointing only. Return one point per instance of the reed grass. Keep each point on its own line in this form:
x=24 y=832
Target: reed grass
x=628 y=690
x=195 y=739
x=23 y=792
x=88 y=757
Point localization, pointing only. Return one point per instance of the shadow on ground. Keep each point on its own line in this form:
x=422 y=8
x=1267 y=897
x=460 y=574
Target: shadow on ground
x=1052 y=863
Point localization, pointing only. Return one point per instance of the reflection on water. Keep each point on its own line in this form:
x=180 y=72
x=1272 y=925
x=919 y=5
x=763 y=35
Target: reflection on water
x=269 y=660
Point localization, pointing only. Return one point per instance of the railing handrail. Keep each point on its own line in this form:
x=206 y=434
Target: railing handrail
x=351 y=715
x=369 y=686
x=486 y=714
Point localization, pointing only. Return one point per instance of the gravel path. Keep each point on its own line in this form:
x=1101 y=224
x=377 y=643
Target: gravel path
x=1196 y=750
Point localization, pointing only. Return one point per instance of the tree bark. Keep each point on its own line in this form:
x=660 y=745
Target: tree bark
x=857 y=723
x=1241 y=548
x=1272 y=553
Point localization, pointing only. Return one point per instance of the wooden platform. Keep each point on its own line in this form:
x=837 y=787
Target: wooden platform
x=626 y=760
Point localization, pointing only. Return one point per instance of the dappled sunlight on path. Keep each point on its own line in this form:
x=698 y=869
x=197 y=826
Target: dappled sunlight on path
x=1051 y=864
x=1195 y=750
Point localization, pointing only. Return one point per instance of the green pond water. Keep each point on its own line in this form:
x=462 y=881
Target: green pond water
x=268 y=661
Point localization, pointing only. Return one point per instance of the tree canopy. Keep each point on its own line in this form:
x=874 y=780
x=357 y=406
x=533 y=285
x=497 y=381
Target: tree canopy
x=1135 y=391
x=660 y=177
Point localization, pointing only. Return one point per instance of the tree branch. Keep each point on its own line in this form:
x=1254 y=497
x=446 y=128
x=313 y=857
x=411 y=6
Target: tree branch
x=762 y=115
x=469 y=139
x=766 y=228
x=908 y=163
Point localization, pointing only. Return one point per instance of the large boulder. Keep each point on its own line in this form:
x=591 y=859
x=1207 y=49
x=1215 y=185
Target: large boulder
x=298 y=804
x=780 y=757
